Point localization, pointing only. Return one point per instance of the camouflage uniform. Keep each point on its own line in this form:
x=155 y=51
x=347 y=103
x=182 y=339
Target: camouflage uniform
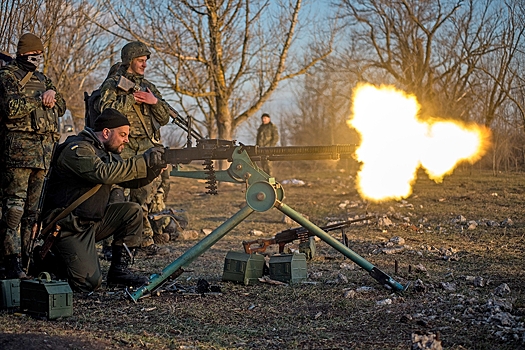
x=145 y=133
x=28 y=131
x=267 y=136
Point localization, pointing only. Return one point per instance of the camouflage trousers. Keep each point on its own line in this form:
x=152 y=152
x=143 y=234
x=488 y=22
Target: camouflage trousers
x=145 y=196
x=21 y=188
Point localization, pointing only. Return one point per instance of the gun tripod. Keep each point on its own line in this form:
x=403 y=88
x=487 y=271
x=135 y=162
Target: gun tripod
x=263 y=193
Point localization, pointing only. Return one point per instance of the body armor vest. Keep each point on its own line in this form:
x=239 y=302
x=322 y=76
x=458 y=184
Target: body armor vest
x=150 y=128
x=41 y=120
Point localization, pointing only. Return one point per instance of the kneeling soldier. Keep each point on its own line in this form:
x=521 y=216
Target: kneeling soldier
x=82 y=163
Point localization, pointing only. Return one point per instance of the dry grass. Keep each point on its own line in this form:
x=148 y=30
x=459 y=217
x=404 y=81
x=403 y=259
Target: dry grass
x=318 y=315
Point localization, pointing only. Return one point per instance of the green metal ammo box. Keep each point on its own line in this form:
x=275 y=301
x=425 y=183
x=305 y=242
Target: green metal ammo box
x=9 y=293
x=288 y=268
x=243 y=268
x=43 y=297
x=308 y=248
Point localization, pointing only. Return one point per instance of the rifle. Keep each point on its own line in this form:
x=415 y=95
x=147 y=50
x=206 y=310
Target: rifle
x=37 y=224
x=127 y=85
x=292 y=234
x=185 y=125
x=180 y=221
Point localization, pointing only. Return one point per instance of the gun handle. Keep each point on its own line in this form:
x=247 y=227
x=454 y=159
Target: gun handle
x=263 y=244
x=48 y=242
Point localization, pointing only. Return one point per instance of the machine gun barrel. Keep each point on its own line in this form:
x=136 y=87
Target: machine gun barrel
x=215 y=149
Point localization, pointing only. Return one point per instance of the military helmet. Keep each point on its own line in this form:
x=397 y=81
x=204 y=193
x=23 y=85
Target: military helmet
x=133 y=50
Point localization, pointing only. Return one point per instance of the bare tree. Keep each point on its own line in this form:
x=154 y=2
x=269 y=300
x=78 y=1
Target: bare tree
x=455 y=56
x=16 y=17
x=75 y=47
x=322 y=107
x=223 y=59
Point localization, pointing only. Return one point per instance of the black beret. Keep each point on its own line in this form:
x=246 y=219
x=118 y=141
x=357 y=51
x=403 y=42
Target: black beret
x=110 y=118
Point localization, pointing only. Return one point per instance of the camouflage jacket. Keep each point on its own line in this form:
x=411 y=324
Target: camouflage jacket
x=154 y=116
x=27 y=128
x=267 y=135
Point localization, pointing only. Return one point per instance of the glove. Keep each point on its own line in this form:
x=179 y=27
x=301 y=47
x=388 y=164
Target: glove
x=154 y=158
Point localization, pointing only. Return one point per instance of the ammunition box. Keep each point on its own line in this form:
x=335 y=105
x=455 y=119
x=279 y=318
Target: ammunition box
x=308 y=248
x=243 y=268
x=9 y=293
x=43 y=297
x=288 y=268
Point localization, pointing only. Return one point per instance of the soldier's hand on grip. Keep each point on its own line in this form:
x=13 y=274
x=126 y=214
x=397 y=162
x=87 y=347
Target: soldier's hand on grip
x=154 y=158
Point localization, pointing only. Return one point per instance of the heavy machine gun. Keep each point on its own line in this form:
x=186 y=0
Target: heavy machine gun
x=262 y=193
x=208 y=150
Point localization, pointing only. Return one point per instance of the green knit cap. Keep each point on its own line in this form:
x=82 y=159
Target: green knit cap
x=29 y=42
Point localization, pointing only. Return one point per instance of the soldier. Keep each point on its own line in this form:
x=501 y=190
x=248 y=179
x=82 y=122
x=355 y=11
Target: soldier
x=80 y=163
x=147 y=112
x=29 y=110
x=267 y=136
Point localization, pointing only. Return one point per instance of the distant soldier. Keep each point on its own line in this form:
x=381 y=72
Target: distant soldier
x=267 y=136
x=29 y=110
x=147 y=112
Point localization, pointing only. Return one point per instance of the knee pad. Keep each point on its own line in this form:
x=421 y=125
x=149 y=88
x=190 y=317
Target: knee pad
x=117 y=196
x=13 y=216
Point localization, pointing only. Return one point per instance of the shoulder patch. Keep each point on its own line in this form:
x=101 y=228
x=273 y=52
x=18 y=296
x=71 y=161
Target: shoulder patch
x=80 y=149
x=83 y=151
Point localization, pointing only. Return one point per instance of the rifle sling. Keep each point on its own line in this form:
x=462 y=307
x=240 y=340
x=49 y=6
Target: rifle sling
x=141 y=117
x=70 y=208
x=25 y=79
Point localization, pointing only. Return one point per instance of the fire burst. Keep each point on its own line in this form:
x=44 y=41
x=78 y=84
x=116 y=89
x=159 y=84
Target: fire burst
x=395 y=143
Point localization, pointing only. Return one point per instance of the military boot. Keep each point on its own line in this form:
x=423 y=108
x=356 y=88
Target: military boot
x=119 y=274
x=13 y=267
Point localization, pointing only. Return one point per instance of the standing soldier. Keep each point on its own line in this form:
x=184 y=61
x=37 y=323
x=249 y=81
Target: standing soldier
x=267 y=136
x=29 y=110
x=139 y=100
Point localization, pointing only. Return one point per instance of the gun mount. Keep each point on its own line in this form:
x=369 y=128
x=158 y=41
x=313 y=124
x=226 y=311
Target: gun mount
x=262 y=194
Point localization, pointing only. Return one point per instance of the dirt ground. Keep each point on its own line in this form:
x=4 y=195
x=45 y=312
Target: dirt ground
x=458 y=245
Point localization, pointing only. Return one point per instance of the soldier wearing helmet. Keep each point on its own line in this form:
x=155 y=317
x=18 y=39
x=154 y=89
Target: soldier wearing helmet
x=147 y=112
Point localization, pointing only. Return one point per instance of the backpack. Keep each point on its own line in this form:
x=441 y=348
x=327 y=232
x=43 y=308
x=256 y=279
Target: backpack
x=92 y=107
